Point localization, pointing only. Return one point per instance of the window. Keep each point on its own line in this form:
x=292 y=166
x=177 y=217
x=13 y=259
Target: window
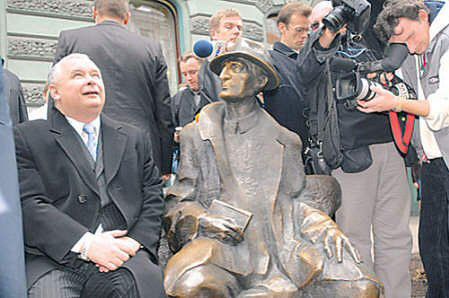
x=156 y=20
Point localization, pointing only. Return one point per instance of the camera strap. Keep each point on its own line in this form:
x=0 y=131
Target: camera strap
x=402 y=124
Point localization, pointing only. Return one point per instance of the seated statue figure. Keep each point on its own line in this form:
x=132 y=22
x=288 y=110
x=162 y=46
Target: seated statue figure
x=237 y=216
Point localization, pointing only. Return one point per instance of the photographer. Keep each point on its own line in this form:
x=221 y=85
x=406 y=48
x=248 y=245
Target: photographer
x=424 y=28
x=360 y=149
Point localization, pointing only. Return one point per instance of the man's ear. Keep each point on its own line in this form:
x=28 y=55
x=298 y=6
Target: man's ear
x=213 y=34
x=127 y=18
x=53 y=91
x=95 y=14
x=282 y=27
x=423 y=16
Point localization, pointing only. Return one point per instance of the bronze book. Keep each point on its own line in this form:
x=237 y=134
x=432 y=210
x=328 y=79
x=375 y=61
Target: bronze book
x=240 y=216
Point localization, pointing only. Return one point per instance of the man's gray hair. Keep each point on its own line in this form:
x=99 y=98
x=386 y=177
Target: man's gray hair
x=55 y=69
x=112 y=8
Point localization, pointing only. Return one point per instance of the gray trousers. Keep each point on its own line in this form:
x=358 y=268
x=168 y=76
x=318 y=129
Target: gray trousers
x=379 y=199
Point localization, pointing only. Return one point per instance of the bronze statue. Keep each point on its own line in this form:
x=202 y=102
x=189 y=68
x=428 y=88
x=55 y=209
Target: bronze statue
x=238 y=215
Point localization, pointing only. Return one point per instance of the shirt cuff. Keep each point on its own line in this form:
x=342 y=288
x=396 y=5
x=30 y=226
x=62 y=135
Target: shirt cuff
x=84 y=240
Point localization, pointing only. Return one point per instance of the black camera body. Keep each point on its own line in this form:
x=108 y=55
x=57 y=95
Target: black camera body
x=351 y=84
x=354 y=13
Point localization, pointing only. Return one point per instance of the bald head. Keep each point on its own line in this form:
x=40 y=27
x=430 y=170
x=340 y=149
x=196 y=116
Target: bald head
x=77 y=88
x=319 y=11
x=56 y=70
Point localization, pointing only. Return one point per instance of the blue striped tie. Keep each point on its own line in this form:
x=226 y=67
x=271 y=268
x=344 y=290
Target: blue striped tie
x=89 y=129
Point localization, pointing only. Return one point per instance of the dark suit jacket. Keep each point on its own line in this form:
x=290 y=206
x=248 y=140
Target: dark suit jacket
x=60 y=196
x=286 y=104
x=135 y=77
x=183 y=106
x=16 y=100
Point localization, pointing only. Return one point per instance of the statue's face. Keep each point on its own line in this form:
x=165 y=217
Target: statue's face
x=238 y=81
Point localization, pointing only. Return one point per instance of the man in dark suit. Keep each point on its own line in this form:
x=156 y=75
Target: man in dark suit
x=12 y=270
x=90 y=193
x=189 y=100
x=14 y=95
x=134 y=71
x=287 y=103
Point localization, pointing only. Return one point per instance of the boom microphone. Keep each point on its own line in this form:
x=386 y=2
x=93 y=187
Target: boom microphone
x=203 y=48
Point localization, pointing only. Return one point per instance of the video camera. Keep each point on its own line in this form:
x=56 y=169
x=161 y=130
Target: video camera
x=354 y=13
x=351 y=84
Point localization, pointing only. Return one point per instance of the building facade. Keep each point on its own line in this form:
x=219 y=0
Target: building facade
x=29 y=30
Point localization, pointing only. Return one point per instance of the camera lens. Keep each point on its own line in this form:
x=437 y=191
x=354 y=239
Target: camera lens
x=336 y=19
x=365 y=92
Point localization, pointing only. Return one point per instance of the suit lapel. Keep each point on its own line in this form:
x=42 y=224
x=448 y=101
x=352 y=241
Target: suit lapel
x=272 y=161
x=114 y=144
x=211 y=129
x=70 y=143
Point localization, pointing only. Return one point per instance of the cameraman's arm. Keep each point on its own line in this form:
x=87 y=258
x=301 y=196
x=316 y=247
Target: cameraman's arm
x=320 y=46
x=435 y=109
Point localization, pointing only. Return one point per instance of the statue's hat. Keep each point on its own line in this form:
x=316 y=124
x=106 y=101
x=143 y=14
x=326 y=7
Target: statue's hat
x=255 y=53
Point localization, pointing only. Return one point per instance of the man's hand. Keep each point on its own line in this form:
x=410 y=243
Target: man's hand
x=220 y=228
x=383 y=101
x=132 y=245
x=318 y=226
x=108 y=252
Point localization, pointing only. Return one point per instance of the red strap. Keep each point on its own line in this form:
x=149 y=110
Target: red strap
x=402 y=140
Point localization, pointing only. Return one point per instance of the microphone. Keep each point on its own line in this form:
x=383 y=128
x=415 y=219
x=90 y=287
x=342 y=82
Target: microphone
x=203 y=48
x=206 y=49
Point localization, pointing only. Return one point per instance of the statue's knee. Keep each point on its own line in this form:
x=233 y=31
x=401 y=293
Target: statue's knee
x=344 y=288
x=205 y=281
x=360 y=288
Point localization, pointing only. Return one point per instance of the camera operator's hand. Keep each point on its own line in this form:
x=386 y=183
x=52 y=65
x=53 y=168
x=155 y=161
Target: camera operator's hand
x=383 y=101
x=328 y=36
x=384 y=77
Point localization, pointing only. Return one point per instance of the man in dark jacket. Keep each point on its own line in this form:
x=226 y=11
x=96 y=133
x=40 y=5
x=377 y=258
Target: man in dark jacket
x=134 y=71
x=189 y=100
x=14 y=94
x=286 y=104
x=91 y=195
x=368 y=167
x=226 y=29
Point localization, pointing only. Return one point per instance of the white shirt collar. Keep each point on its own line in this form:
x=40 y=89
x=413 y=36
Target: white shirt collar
x=78 y=126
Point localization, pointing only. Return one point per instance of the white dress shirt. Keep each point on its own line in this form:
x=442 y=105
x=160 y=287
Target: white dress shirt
x=78 y=127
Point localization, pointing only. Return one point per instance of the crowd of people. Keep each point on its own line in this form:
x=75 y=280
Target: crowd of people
x=91 y=174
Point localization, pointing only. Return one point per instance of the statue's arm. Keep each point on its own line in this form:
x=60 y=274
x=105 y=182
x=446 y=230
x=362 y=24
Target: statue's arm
x=182 y=209
x=317 y=227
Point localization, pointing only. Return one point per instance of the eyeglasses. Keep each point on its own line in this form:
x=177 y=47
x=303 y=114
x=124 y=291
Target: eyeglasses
x=301 y=29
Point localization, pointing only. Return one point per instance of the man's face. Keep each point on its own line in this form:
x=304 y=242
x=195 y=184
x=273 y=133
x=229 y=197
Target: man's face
x=295 y=34
x=415 y=34
x=78 y=89
x=229 y=30
x=190 y=70
x=237 y=80
x=317 y=16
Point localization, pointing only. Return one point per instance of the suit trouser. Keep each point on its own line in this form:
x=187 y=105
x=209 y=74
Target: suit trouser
x=378 y=199
x=85 y=281
x=433 y=227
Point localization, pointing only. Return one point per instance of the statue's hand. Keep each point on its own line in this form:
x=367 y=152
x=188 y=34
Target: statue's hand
x=220 y=228
x=318 y=226
x=334 y=237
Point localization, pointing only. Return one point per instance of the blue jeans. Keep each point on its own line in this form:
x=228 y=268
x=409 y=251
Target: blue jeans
x=433 y=227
